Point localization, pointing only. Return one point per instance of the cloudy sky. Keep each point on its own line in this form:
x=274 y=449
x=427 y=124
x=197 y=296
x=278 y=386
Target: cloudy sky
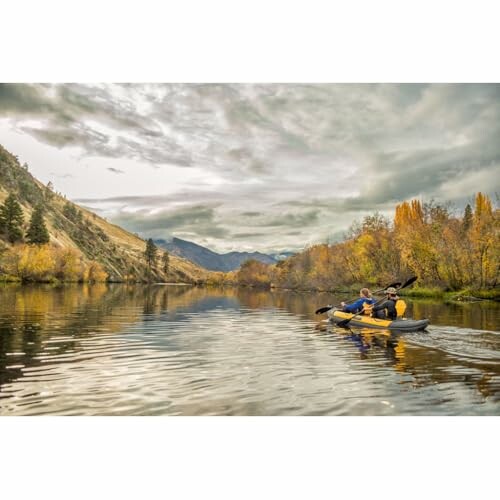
x=266 y=167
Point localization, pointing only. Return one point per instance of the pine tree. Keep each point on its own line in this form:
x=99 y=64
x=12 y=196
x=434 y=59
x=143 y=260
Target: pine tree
x=150 y=253
x=49 y=191
x=69 y=211
x=166 y=261
x=37 y=232
x=467 y=220
x=11 y=219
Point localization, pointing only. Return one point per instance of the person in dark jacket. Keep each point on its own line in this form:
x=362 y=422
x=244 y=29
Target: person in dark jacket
x=358 y=306
x=387 y=309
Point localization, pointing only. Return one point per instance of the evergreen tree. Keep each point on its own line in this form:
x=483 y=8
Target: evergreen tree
x=49 y=191
x=467 y=220
x=166 y=261
x=150 y=252
x=11 y=219
x=69 y=211
x=37 y=232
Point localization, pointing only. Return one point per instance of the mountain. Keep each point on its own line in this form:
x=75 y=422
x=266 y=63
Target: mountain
x=209 y=259
x=71 y=226
x=281 y=255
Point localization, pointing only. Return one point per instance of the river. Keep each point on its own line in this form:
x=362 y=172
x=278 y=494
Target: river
x=182 y=350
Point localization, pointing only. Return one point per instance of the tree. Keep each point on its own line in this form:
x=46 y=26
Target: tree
x=95 y=273
x=31 y=263
x=166 y=261
x=150 y=253
x=11 y=219
x=37 y=232
x=467 y=220
x=483 y=237
x=254 y=273
x=49 y=191
x=69 y=211
x=69 y=265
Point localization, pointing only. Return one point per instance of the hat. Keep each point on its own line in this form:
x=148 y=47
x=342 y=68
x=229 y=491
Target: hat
x=391 y=290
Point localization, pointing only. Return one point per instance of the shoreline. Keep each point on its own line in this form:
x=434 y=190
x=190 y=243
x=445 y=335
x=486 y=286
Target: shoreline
x=465 y=295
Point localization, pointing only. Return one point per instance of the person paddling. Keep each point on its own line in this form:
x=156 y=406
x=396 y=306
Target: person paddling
x=365 y=298
x=388 y=308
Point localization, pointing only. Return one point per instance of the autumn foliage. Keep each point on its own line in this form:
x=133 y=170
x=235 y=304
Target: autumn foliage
x=49 y=263
x=443 y=249
x=254 y=273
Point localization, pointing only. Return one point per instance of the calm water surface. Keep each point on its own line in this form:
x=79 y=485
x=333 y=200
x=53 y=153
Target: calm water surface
x=175 y=350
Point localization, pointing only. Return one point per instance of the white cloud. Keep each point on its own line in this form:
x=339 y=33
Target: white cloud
x=283 y=150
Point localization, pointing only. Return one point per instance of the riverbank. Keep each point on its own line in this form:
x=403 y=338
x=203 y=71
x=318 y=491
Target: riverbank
x=4 y=279
x=465 y=295
x=50 y=281
x=9 y=279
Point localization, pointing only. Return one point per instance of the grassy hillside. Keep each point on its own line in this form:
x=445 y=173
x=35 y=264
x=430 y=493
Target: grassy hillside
x=71 y=226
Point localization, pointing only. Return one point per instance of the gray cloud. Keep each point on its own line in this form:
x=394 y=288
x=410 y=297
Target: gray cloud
x=244 y=236
x=162 y=224
x=293 y=220
x=115 y=170
x=305 y=157
x=22 y=99
x=251 y=214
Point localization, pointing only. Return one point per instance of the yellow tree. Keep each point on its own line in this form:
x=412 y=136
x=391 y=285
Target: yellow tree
x=69 y=265
x=484 y=232
x=415 y=237
x=36 y=263
x=95 y=273
x=254 y=273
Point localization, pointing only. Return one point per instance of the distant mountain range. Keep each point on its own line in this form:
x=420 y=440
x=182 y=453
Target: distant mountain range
x=214 y=261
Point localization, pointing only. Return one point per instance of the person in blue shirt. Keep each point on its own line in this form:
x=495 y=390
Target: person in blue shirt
x=358 y=306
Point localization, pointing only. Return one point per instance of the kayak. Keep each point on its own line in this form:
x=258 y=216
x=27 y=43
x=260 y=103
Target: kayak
x=360 y=320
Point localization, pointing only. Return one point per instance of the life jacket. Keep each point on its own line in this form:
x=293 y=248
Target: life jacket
x=396 y=310
x=367 y=308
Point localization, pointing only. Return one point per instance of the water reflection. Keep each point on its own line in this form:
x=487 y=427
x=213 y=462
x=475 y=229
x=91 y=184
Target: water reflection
x=128 y=349
x=429 y=364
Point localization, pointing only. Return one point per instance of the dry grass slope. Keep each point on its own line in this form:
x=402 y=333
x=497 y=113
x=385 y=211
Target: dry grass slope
x=120 y=252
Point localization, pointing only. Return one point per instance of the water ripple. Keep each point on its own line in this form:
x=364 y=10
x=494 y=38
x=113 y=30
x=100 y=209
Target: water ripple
x=261 y=354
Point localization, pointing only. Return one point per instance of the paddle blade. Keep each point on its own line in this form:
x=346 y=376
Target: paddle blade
x=393 y=285
x=343 y=323
x=409 y=282
x=322 y=310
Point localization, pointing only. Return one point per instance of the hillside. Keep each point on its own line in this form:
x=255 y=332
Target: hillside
x=71 y=226
x=209 y=259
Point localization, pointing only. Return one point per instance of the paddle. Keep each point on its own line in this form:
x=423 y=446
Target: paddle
x=322 y=310
x=408 y=282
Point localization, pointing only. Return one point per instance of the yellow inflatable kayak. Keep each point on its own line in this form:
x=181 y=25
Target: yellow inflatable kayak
x=361 y=320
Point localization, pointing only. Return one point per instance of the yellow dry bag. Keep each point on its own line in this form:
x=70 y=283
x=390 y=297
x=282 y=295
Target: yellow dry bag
x=400 y=307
